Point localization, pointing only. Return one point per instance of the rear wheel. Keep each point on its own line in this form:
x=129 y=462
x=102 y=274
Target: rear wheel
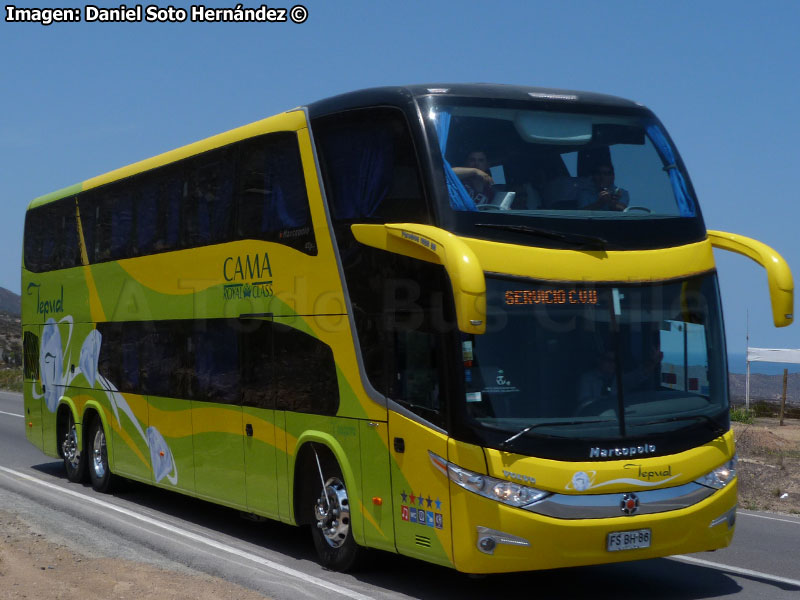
x=331 y=523
x=99 y=473
x=74 y=457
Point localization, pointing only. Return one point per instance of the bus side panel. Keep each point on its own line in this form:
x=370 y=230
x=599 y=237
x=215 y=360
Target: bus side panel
x=128 y=423
x=260 y=458
x=377 y=485
x=422 y=514
x=340 y=435
x=217 y=433
x=56 y=351
x=170 y=440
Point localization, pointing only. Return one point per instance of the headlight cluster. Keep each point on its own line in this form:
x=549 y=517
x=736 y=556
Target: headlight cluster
x=507 y=492
x=721 y=476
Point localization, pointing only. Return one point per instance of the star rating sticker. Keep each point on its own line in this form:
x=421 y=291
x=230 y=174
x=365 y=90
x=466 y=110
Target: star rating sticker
x=404 y=496
x=429 y=501
x=420 y=500
x=438 y=504
x=412 y=497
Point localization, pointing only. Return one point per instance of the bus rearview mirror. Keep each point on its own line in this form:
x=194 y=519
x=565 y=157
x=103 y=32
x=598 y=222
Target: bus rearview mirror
x=435 y=245
x=779 y=275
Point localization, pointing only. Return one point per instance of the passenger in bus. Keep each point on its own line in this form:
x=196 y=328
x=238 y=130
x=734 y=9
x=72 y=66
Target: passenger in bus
x=607 y=195
x=475 y=177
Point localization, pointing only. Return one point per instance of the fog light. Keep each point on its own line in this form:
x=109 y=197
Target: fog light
x=487 y=545
x=488 y=539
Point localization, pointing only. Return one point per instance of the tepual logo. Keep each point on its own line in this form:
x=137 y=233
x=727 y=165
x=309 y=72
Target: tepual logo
x=47 y=306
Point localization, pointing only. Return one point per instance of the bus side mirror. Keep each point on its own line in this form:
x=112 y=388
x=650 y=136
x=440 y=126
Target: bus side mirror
x=779 y=275
x=432 y=244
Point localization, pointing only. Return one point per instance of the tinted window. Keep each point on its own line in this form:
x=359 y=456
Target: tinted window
x=249 y=190
x=158 y=211
x=208 y=203
x=271 y=195
x=256 y=360
x=257 y=363
x=370 y=167
x=30 y=350
x=51 y=237
x=216 y=361
x=304 y=373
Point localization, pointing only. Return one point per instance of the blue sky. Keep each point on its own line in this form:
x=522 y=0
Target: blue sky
x=81 y=99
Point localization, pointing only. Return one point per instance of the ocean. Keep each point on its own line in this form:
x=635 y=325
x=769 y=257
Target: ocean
x=737 y=363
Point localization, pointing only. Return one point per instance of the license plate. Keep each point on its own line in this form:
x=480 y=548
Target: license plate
x=628 y=540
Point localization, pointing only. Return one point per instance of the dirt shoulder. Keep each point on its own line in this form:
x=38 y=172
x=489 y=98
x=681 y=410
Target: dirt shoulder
x=32 y=567
x=769 y=465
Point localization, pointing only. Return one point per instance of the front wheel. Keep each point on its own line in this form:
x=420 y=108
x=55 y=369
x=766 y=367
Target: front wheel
x=74 y=457
x=331 y=524
x=99 y=473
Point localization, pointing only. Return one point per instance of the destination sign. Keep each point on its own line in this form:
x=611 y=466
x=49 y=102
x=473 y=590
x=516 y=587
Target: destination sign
x=550 y=296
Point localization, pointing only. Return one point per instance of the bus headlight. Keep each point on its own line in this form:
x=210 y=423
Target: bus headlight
x=507 y=492
x=721 y=476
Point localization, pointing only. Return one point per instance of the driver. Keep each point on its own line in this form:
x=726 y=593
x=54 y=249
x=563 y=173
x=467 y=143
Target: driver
x=598 y=386
x=475 y=177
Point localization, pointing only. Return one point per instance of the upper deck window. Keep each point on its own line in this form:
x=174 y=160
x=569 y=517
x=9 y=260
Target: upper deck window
x=509 y=167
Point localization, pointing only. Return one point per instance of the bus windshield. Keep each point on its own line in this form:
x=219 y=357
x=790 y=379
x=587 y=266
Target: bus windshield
x=508 y=165
x=595 y=362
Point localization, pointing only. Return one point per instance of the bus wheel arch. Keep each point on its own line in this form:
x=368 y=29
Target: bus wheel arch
x=326 y=507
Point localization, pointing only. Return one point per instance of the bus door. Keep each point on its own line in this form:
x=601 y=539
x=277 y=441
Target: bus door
x=420 y=490
x=258 y=412
x=217 y=424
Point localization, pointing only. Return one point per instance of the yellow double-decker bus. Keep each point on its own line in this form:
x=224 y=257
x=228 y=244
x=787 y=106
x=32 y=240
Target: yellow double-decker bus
x=477 y=325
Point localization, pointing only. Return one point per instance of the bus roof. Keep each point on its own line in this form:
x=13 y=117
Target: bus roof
x=400 y=95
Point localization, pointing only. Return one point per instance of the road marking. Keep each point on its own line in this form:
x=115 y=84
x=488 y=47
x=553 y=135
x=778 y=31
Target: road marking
x=2 y=412
x=747 y=514
x=736 y=570
x=197 y=538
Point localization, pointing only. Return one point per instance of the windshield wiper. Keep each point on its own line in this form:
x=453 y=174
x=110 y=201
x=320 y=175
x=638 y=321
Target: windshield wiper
x=574 y=239
x=715 y=427
x=533 y=426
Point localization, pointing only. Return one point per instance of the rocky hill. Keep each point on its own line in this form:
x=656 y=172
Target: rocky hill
x=765 y=387
x=10 y=303
x=10 y=328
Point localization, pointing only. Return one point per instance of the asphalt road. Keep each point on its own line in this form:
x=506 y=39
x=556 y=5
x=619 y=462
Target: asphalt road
x=172 y=531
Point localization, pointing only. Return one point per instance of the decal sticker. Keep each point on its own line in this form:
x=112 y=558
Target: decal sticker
x=90 y=354
x=404 y=513
x=413 y=515
x=582 y=481
x=55 y=376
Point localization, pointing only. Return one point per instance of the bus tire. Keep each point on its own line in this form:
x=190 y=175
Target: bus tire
x=99 y=473
x=330 y=521
x=71 y=451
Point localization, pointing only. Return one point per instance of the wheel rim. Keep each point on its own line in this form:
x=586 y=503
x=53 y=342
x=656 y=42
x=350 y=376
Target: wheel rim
x=70 y=446
x=332 y=512
x=99 y=453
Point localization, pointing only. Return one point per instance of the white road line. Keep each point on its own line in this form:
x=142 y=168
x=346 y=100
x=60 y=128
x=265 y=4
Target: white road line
x=736 y=570
x=332 y=587
x=748 y=514
x=2 y=412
